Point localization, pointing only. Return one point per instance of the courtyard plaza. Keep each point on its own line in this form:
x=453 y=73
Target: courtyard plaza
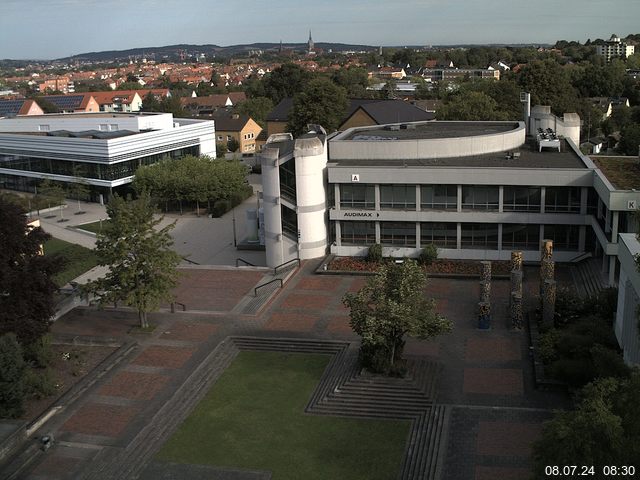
x=486 y=381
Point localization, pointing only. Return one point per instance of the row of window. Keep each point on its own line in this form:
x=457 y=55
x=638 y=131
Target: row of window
x=473 y=235
x=474 y=197
x=100 y=171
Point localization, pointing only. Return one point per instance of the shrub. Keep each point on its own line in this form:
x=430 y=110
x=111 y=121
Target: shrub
x=608 y=362
x=569 y=306
x=39 y=383
x=12 y=376
x=575 y=372
x=604 y=304
x=220 y=207
x=548 y=344
x=428 y=255
x=39 y=353
x=375 y=253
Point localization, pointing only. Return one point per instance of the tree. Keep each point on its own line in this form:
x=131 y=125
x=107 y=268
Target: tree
x=285 y=81
x=79 y=187
x=150 y=103
x=233 y=145
x=26 y=285
x=257 y=108
x=51 y=193
x=142 y=266
x=630 y=140
x=602 y=430
x=549 y=84
x=354 y=80
x=389 y=307
x=321 y=102
x=470 y=106
x=12 y=377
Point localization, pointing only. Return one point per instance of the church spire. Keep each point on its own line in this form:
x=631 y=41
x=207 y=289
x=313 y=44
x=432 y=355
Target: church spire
x=310 y=42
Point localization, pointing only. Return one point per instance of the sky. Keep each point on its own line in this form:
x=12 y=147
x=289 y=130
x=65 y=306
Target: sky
x=47 y=29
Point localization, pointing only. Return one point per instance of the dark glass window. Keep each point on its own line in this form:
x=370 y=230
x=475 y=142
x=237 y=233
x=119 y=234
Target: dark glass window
x=441 y=234
x=565 y=237
x=289 y=222
x=439 y=197
x=521 y=199
x=358 y=196
x=358 y=233
x=520 y=237
x=398 y=197
x=288 y=180
x=398 y=233
x=480 y=236
x=592 y=201
x=476 y=197
x=562 y=200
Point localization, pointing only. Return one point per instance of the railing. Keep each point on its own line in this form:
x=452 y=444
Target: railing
x=190 y=261
x=255 y=290
x=275 y=270
x=244 y=261
x=582 y=256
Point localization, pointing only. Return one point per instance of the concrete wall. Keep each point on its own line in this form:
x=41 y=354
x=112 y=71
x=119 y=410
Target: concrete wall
x=80 y=122
x=626 y=322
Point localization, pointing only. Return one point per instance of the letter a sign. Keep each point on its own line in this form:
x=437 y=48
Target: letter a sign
x=355 y=177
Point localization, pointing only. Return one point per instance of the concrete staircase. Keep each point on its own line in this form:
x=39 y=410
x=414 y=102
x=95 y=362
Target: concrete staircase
x=587 y=277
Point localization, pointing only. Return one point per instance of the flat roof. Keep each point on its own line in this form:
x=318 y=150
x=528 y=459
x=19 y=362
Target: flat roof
x=529 y=157
x=622 y=172
x=430 y=130
x=92 y=115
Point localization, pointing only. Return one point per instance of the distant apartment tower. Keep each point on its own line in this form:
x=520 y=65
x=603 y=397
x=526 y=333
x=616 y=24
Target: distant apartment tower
x=615 y=48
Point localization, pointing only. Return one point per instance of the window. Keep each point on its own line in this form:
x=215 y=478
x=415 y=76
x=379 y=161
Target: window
x=289 y=222
x=401 y=234
x=439 y=197
x=480 y=236
x=565 y=237
x=357 y=196
x=229 y=138
x=562 y=200
x=43 y=128
x=358 y=233
x=103 y=127
x=288 y=179
x=441 y=234
x=475 y=197
x=400 y=197
x=521 y=199
x=520 y=237
x=219 y=138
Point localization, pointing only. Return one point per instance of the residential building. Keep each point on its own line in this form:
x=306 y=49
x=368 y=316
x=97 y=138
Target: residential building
x=118 y=101
x=76 y=103
x=105 y=149
x=25 y=106
x=450 y=74
x=615 y=48
x=57 y=84
x=210 y=104
x=242 y=128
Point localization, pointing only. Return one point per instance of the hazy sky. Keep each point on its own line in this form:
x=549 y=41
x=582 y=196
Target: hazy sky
x=45 y=29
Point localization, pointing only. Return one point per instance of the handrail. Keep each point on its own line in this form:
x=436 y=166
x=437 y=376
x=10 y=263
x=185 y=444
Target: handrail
x=255 y=290
x=244 y=261
x=582 y=256
x=190 y=261
x=275 y=270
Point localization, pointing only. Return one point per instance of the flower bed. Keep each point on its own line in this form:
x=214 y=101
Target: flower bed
x=440 y=266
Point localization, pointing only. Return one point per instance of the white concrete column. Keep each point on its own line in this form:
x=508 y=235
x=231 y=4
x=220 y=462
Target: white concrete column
x=582 y=238
x=338 y=233
x=612 y=270
x=543 y=199
x=418 y=198
x=615 y=220
x=377 y=197
x=501 y=198
x=500 y=235
x=459 y=199
x=378 y=232
x=458 y=235
x=273 y=241
x=418 y=235
x=607 y=220
x=336 y=195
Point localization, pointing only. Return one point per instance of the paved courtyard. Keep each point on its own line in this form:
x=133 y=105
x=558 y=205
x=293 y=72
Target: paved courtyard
x=486 y=380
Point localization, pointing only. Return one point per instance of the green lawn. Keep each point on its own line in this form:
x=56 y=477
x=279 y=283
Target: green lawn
x=78 y=259
x=253 y=418
x=93 y=227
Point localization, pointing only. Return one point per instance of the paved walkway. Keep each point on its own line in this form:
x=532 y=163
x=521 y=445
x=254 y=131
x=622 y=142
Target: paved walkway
x=486 y=382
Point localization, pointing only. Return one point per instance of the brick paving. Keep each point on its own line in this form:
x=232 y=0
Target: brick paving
x=134 y=385
x=486 y=381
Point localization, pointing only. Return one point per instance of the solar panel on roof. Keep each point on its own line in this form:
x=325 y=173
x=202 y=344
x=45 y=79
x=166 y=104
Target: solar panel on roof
x=10 y=107
x=66 y=102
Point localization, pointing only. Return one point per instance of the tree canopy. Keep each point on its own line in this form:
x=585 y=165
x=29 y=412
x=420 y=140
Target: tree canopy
x=321 y=102
x=389 y=307
x=142 y=265
x=257 y=108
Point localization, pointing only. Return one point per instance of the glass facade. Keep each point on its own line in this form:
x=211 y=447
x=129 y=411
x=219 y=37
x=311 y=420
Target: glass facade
x=398 y=197
x=97 y=171
x=475 y=197
x=565 y=237
x=361 y=197
x=517 y=236
x=482 y=236
x=562 y=200
x=521 y=199
x=288 y=180
x=441 y=234
x=402 y=234
x=358 y=233
x=439 y=197
x=289 y=222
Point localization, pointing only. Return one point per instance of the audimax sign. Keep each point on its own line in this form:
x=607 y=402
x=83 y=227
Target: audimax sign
x=360 y=214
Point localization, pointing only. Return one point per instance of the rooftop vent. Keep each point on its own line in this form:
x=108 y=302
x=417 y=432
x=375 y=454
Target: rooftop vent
x=408 y=126
x=392 y=127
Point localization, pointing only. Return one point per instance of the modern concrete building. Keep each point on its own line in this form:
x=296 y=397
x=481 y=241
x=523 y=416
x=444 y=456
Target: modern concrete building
x=477 y=190
x=626 y=322
x=105 y=149
x=615 y=48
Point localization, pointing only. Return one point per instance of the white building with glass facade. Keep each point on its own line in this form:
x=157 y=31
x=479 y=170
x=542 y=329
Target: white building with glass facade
x=477 y=190
x=104 y=149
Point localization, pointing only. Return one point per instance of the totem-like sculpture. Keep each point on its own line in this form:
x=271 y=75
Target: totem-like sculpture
x=484 y=306
x=549 y=302
x=547 y=283
x=515 y=299
x=515 y=311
